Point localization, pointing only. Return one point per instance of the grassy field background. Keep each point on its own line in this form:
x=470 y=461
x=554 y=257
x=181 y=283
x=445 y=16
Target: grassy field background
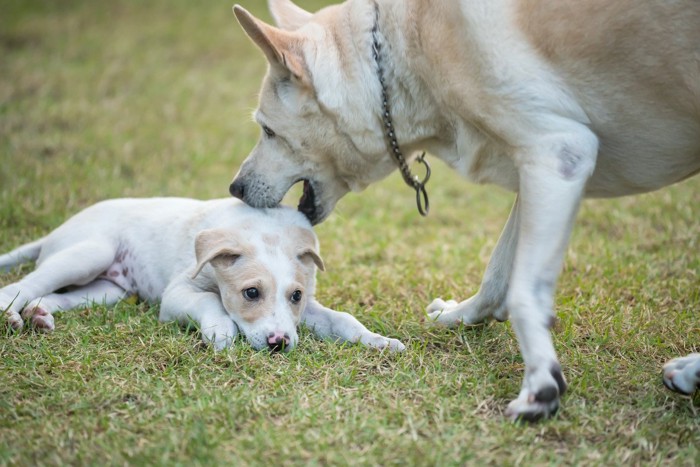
x=128 y=98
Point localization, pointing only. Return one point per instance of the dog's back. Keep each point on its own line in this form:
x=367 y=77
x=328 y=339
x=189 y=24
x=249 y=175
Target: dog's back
x=634 y=68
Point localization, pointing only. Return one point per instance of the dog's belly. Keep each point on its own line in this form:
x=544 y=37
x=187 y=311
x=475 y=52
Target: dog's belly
x=129 y=274
x=646 y=162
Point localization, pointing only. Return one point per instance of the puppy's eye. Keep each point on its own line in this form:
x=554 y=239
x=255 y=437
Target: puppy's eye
x=268 y=131
x=296 y=296
x=251 y=293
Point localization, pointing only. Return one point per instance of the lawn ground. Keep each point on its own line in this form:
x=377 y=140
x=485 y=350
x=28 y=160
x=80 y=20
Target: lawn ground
x=127 y=98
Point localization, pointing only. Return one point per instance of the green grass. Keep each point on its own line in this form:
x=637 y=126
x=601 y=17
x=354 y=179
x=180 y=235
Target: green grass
x=127 y=98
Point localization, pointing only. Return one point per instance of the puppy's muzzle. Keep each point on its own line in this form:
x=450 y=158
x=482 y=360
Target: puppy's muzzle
x=278 y=342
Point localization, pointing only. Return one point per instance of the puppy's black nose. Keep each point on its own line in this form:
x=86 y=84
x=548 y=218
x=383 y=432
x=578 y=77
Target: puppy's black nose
x=277 y=342
x=237 y=189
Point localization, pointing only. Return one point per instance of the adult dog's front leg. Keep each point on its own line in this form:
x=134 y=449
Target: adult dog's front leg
x=343 y=327
x=552 y=181
x=490 y=301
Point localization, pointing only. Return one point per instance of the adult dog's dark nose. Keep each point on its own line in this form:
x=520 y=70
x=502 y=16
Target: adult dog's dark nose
x=277 y=341
x=237 y=189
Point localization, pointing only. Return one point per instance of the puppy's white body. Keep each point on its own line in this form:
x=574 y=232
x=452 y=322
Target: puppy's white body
x=555 y=100
x=198 y=257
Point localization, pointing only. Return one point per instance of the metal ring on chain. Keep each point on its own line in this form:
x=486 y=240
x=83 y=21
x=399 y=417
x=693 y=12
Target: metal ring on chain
x=422 y=200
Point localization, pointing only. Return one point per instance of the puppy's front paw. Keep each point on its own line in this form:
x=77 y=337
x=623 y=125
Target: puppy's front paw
x=682 y=374
x=380 y=342
x=219 y=334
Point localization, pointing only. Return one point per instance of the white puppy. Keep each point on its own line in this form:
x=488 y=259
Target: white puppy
x=221 y=264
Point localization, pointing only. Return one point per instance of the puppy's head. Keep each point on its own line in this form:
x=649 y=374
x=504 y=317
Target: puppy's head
x=263 y=280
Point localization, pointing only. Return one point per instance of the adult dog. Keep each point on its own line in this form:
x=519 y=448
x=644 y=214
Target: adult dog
x=223 y=265
x=554 y=100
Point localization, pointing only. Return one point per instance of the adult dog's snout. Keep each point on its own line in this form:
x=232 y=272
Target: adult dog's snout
x=237 y=189
x=255 y=192
x=278 y=342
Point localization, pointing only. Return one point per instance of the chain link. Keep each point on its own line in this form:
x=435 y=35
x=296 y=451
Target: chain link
x=411 y=180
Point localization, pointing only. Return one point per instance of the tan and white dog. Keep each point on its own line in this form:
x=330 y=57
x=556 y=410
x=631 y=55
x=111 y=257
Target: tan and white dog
x=221 y=264
x=554 y=100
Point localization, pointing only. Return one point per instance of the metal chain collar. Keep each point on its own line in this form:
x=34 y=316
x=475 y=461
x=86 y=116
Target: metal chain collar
x=411 y=180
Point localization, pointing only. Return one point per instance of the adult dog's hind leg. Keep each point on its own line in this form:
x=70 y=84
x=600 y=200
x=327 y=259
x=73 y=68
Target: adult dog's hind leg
x=682 y=374
x=78 y=264
x=40 y=310
x=490 y=301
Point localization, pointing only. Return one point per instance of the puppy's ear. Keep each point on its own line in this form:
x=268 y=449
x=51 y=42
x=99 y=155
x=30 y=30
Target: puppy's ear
x=215 y=243
x=287 y=15
x=315 y=257
x=283 y=49
x=307 y=246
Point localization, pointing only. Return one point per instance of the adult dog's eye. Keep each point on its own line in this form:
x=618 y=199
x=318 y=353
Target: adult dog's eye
x=268 y=131
x=251 y=293
x=296 y=296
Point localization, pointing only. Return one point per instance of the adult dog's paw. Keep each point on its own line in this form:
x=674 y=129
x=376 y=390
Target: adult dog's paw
x=682 y=374
x=443 y=312
x=539 y=397
x=527 y=409
x=472 y=311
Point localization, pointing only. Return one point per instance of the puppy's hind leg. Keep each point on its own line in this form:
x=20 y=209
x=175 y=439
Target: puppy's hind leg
x=344 y=327
x=490 y=301
x=78 y=264
x=40 y=310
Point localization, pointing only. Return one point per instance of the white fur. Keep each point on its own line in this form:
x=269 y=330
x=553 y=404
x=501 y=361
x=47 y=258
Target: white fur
x=682 y=374
x=147 y=247
x=553 y=100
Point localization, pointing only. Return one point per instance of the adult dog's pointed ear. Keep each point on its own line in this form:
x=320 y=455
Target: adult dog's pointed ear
x=283 y=49
x=213 y=244
x=287 y=15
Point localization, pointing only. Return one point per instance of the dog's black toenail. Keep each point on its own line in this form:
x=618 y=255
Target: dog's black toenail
x=668 y=384
x=530 y=417
x=558 y=376
x=547 y=394
x=678 y=390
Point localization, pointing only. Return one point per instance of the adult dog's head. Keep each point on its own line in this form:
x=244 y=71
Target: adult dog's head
x=319 y=112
